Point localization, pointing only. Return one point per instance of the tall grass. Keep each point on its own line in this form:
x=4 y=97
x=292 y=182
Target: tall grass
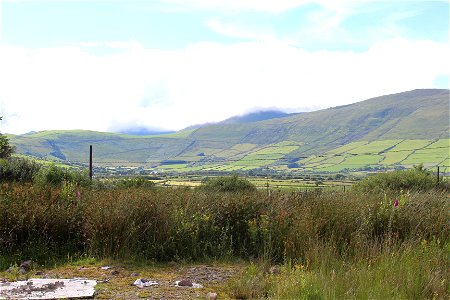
x=167 y=224
x=332 y=244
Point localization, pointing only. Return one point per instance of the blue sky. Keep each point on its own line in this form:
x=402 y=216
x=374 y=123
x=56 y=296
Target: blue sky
x=167 y=64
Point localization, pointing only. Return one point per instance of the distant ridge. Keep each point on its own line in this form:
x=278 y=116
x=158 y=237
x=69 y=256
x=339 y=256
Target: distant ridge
x=142 y=131
x=256 y=117
x=246 y=118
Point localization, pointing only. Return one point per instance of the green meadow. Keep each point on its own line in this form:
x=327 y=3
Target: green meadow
x=352 y=157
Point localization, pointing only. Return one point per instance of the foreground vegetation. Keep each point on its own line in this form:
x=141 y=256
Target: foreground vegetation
x=364 y=243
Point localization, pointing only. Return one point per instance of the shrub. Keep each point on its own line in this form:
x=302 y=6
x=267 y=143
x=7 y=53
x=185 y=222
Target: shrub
x=228 y=184
x=55 y=176
x=5 y=148
x=417 y=179
x=18 y=169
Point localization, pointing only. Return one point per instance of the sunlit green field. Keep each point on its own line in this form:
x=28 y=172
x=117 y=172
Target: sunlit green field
x=353 y=157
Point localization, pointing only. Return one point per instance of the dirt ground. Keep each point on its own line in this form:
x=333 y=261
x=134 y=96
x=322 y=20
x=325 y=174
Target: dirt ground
x=115 y=280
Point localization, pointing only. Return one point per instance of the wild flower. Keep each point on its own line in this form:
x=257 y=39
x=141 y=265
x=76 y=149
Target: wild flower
x=396 y=203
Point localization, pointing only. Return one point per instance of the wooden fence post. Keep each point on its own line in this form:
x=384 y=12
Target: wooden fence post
x=437 y=178
x=90 y=162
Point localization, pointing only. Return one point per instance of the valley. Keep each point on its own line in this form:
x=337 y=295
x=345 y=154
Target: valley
x=388 y=132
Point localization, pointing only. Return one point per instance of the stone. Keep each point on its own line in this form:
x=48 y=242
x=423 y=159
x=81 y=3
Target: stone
x=184 y=282
x=142 y=282
x=211 y=296
x=114 y=272
x=188 y=283
x=26 y=265
x=38 y=288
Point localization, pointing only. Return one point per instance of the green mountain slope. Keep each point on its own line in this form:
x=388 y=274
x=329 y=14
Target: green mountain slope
x=392 y=130
x=408 y=115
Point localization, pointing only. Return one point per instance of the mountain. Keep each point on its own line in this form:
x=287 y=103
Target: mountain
x=246 y=118
x=255 y=117
x=144 y=131
x=397 y=130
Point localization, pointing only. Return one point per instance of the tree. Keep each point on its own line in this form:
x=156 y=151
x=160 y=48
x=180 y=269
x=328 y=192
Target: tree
x=5 y=148
x=228 y=184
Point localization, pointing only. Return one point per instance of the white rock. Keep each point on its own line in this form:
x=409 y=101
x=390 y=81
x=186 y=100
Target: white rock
x=141 y=283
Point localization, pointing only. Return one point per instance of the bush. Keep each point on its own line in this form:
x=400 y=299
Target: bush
x=5 y=148
x=55 y=176
x=228 y=184
x=18 y=169
x=417 y=179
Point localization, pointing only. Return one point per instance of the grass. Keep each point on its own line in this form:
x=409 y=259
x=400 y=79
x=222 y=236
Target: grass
x=374 y=147
x=411 y=145
x=211 y=274
x=392 y=158
x=403 y=272
x=363 y=154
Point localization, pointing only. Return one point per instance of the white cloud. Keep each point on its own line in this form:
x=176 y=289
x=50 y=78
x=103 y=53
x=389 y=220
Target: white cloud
x=270 y=6
x=322 y=27
x=267 y=6
x=237 y=30
x=72 y=88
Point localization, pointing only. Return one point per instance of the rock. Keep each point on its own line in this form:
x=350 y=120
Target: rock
x=188 y=283
x=142 y=282
x=211 y=296
x=184 y=282
x=39 y=273
x=114 y=272
x=106 y=267
x=134 y=274
x=26 y=265
x=37 y=288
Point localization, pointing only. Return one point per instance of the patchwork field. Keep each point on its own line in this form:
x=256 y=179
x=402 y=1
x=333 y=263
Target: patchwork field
x=356 y=156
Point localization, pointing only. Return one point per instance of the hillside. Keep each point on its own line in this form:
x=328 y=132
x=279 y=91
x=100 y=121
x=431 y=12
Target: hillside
x=394 y=130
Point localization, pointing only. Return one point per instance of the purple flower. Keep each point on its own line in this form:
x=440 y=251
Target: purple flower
x=78 y=194
x=396 y=203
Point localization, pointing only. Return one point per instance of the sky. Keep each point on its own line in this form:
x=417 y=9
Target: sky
x=167 y=64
